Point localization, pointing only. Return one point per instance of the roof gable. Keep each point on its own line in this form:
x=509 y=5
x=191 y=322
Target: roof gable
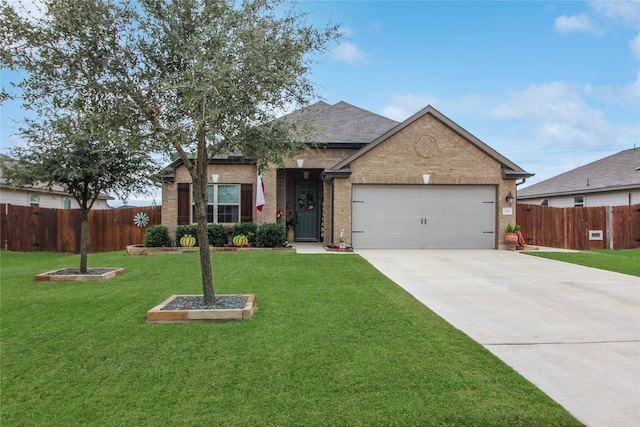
x=510 y=169
x=616 y=172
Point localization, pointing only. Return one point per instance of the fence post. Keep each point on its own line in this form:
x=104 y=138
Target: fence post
x=564 y=226
x=609 y=226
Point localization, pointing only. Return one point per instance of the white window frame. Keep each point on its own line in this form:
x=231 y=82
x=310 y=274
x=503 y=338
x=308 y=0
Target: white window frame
x=579 y=201
x=213 y=205
x=34 y=200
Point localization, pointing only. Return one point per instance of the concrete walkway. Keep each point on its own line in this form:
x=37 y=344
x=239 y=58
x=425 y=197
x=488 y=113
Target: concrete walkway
x=572 y=331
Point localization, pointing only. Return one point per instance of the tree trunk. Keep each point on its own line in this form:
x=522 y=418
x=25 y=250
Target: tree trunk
x=200 y=196
x=84 y=237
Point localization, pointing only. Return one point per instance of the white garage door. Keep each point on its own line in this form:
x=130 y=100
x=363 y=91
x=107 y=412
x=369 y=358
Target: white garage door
x=424 y=216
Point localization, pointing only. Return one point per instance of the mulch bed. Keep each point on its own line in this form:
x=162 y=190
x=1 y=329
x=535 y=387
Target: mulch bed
x=196 y=303
x=76 y=271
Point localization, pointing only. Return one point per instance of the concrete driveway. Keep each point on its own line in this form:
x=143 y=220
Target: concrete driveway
x=572 y=331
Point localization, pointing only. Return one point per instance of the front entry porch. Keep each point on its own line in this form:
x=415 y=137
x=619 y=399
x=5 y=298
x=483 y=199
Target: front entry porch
x=301 y=199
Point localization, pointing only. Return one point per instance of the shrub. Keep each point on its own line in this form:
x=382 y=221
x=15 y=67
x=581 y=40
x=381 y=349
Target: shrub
x=248 y=229
x=271 y=235
x=218 y=235
x=183 y=230
x=157 y=236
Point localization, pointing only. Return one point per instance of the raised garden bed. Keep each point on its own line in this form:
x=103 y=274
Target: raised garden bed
x=73 y=275
x=142 y=250
x=184 y=308
x=334 y=249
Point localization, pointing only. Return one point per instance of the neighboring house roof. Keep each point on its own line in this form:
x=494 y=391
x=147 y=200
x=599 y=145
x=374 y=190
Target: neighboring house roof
x=39 y=187
x=510 y=169
x=616 y=172
x=343 y=123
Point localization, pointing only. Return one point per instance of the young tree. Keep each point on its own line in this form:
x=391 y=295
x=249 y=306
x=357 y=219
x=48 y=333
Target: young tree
x=215 y=75
x=208 y=77
x=85 y=134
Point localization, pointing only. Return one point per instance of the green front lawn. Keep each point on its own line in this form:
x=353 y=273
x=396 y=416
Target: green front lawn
x=333 y=343
x=627 y=261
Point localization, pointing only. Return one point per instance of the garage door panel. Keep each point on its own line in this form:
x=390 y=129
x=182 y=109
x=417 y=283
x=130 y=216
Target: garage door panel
x=431 y=217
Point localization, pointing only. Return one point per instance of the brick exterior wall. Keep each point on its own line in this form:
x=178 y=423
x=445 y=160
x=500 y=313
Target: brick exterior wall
x=315 y=159
x=227 y=174
x=425 y=147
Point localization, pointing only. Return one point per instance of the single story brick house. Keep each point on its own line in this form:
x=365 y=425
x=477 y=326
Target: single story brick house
x=611 y=181
x=422 y=183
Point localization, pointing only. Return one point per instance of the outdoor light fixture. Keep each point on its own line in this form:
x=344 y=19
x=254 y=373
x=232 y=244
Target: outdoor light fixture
x=509 y=198
x=300 y=163
x=426 y=178
x=215 y=177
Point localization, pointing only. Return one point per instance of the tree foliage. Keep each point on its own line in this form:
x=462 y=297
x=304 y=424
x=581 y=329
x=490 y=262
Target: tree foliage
x=218 y=74
x=85 y=133
x=201 y=78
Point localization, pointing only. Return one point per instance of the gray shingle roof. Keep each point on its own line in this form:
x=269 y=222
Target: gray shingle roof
x=615 y=172
x=343 y=123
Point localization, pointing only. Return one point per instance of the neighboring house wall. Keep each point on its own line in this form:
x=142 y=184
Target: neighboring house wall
x=610 y=198
x=42 y=199
x=610 y=181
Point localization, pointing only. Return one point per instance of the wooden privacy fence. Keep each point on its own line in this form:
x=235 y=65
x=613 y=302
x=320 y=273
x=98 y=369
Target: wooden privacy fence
x=600 y=227
x=27 y=229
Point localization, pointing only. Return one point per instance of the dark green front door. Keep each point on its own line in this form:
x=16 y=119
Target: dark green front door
x=306 y=210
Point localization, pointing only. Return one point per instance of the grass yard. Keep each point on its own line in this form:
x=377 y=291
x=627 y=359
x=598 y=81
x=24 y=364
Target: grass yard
x=626 y=261
x=333 y=343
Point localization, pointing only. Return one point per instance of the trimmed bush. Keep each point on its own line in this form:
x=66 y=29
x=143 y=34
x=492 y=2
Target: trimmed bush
x=157 y=236
x=218 y=235
x=271 y=235
x=247 y=229
x=183 y=230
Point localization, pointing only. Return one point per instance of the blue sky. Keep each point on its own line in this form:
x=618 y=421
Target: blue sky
x=550 y=85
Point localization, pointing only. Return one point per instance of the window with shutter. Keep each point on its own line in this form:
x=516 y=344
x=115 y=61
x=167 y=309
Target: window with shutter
x=246 y=203
x=184 y=203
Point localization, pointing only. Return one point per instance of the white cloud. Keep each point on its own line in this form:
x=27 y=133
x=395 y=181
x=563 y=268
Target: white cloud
x=567 y=24
x=349 y=53
x=559 y=115
x=346 y=31
x=622 y=96
x=605 y=14
x=618 y=12
x=404 y=106
x=635 y=46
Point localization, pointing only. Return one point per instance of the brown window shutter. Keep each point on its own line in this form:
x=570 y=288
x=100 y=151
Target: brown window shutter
x=184 y=203
x=246 y=203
